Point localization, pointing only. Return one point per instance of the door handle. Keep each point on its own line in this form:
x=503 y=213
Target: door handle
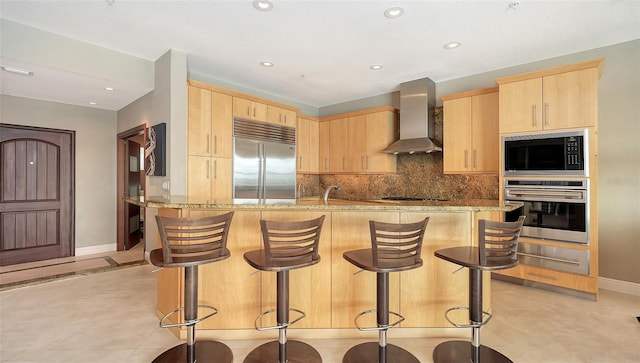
x=475 y=159
x=548 y=118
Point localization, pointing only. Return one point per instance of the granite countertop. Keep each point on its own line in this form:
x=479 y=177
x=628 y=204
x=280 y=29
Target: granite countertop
x=316 y=203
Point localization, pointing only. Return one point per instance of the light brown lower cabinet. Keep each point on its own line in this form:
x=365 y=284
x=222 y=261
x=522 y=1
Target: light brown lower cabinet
x=332 y=292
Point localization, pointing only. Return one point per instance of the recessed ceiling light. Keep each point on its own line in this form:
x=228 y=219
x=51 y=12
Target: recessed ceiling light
x=452 y=45
x=93 y=103
x=394 y=12
x=263 y=5
x=15 y=70
x=267 y=64
x=109 y=89
x=376 y=67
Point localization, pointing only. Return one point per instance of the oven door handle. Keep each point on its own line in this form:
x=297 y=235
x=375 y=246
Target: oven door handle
x=547 y=194
x=549 y=258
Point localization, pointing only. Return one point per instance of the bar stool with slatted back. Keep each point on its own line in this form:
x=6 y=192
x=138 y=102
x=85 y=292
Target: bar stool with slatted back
x=288 y=245
x=394 y=248
x=188 y=243
x=497 y=250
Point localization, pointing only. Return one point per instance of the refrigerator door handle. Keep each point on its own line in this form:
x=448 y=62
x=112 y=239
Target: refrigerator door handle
x=262 y=165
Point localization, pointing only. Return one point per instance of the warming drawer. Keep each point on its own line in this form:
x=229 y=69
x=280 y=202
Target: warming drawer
x=554 y=258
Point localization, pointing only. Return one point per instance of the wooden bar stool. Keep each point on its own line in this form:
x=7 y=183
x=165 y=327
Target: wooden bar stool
x=497 y=250
x=188 y=243
x=288 y=245
x=394 y=248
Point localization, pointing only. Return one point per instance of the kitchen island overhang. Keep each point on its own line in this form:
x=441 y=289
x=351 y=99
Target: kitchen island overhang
x=332 y=292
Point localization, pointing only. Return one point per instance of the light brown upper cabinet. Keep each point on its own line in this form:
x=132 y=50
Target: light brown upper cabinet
x=209 y=147
x=209 y=123
x=470 y=132
x=281 y=116
x=382 y=130
x=211 y=111
x=356 y=154
x=324 y=149
x=338 y=145
x=355 y=141
x=249 y=109
x=553 y=99
x=307 y=146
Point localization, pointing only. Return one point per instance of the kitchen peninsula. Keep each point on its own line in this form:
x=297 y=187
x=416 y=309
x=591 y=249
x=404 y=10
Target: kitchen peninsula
x=332 y=292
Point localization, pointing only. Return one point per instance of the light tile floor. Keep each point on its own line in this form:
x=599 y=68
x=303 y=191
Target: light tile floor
x=31 y=273
x=110 y=317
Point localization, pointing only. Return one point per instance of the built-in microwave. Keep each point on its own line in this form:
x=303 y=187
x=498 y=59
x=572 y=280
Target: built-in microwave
x=547 y=153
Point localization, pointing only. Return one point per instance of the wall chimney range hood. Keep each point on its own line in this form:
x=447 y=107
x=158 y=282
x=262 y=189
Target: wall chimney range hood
x=417 y=125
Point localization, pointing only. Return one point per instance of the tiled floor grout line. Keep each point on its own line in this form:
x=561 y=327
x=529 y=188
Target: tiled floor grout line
x=113 y=265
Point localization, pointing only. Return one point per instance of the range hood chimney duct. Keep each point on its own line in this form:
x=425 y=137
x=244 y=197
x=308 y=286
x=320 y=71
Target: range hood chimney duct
x=417 y=124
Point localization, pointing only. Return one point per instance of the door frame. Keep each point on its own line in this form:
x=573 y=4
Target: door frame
x=122 y=137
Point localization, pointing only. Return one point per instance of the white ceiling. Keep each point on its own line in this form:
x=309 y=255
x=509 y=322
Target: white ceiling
x=322 y=49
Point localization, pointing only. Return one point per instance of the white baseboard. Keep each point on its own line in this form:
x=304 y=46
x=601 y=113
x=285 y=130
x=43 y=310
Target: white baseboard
x=624 y=287
x=81 y=251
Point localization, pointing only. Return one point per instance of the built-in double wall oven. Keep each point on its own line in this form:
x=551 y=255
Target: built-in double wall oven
x=548 y=173
x=555 y=210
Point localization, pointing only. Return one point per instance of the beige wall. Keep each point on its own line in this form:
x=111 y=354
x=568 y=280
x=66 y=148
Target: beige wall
x=95 y=158
x=166 y=103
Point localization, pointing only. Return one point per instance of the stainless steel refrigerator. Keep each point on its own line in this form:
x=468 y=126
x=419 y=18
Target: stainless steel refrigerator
x=264 y=161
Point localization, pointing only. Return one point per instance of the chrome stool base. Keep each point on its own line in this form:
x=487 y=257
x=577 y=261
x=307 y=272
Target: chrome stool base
x=205 y=351
x=297 y=352
x=372 y=352
x=463 y=351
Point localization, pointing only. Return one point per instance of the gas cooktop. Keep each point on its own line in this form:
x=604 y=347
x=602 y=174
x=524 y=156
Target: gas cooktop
x=415 y=199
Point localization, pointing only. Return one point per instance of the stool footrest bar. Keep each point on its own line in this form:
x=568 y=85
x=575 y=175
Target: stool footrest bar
x=470 y=325
x=188 y=322
x=280 y=326
x=380 y=326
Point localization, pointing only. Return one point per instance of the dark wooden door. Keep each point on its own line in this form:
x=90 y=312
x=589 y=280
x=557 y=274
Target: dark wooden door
x=37 y=194
x=132 y=181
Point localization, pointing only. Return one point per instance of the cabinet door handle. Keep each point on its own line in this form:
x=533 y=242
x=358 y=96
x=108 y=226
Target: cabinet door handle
x=548 y=120
x=248 y=111
x=535 y=115
x=475 y=159
x=344 y=163
x=208 y=168
x=466 y=159
x=367 y=162
x=208 y=143
x=215 y=169
x=215 y=144
x=300 y=162
x=326 y=164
